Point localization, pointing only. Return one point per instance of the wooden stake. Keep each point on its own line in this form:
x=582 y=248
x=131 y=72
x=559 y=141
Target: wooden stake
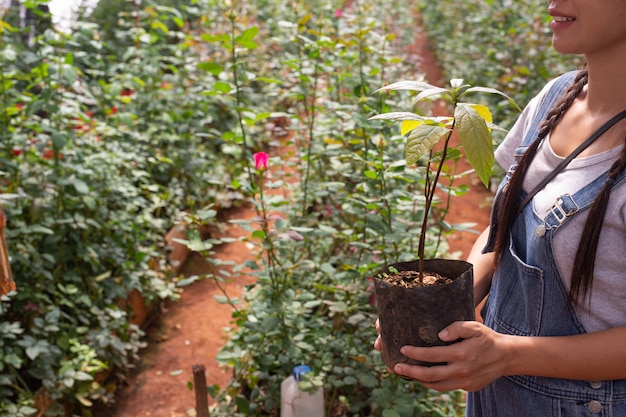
x=200 y=388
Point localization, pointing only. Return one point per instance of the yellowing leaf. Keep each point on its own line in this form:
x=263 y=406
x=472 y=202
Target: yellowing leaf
x=332 y=141
x=159 y=25
x=483 y=111
x=409 y=125
x=4 y=26
x=304 y=19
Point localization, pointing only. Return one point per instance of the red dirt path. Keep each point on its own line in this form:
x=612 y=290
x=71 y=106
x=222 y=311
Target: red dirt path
x=191 y=330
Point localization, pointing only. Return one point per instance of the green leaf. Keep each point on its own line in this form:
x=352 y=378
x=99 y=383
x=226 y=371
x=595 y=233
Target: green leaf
x=13 y=360
x=159 y=25
x=249 y=33
x=220 y=37
x=421 y=140
x=371 y=174
x=58 y=140
x=40 y=346
x=26 y=410
x=81 y=186
x=430 y=93
x=243 y=405
x=222 y=87
x=84 y=401
x=205 y=215
x=369 y=381
x=476 y=140
x=493 y=91
x=212 y=67
x=69 y=73
x=407 y=85
x=187 y=281
x=398 y=116
x=260 y=234
x=221 y=299
x=40 y=229
x=246 y=38
x=197 y=245
x=82 y=376
x=390 y=413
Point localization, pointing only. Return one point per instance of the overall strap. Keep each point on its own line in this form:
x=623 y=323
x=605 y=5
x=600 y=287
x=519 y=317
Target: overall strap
x=606 y=126
x=548 y=101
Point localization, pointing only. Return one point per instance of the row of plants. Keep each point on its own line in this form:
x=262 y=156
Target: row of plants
x=354 y=206
x=313 y=301
x=111 y=135
x=105 y=143
x=349 y=207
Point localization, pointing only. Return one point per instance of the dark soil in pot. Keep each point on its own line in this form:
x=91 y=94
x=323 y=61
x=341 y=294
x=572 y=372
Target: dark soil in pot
x=413 y=312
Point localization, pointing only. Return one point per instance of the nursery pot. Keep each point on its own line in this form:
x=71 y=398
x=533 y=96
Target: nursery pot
x=414 y=316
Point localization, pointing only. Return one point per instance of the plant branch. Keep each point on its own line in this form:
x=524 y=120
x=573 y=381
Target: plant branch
x=430 y=195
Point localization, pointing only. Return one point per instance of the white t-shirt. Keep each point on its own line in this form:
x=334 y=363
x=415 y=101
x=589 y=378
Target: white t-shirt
x=605 y=307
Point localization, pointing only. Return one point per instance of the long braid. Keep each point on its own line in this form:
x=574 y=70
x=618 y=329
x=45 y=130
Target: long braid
x=507 y=203
x=584 y=262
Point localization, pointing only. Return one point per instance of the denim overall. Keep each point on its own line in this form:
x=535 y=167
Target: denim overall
x=528 y=298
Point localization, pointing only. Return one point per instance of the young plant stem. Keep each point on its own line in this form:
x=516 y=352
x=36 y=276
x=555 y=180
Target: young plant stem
x=431 y=187
x=446 y=208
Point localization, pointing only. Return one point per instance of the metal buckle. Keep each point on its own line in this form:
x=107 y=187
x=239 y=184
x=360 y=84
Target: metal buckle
x=559 y=212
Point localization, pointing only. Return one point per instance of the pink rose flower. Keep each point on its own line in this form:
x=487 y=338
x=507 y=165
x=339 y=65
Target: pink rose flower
x=260 y=160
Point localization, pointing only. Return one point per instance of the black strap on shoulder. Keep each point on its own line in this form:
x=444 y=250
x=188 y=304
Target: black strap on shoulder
x=571 y=156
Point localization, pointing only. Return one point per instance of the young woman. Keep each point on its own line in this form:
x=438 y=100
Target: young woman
x=553 y=261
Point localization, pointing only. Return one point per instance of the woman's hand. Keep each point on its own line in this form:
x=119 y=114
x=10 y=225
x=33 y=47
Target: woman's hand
x=480 y=358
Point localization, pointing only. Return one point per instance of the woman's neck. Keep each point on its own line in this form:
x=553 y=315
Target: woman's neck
x=605 y=92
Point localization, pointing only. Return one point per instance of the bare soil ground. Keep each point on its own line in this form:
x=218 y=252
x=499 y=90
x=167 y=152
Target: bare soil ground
x=191 y=331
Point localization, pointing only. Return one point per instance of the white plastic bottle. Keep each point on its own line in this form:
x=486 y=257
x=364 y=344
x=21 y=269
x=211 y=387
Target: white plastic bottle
x=297 y=403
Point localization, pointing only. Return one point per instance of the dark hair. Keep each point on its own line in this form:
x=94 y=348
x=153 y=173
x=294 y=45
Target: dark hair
x=509 y=201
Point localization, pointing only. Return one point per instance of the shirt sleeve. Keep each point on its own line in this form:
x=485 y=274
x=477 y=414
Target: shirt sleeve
x=505 y=152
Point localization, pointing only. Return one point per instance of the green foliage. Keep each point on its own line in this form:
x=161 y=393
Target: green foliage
x=148 y=114
x=101 y=148
x=352 y=208
x=505 y=44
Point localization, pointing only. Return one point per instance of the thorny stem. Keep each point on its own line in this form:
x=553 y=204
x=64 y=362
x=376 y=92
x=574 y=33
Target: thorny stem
x=238 y=99
x=271 y=260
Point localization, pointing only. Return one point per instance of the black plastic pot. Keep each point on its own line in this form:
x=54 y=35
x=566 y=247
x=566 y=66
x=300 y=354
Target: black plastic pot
x=414 y=316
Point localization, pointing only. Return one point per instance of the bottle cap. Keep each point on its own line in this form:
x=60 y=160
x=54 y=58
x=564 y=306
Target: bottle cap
x=300 y=370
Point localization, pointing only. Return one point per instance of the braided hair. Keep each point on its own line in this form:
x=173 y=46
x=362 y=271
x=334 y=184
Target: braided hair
x=508 y=201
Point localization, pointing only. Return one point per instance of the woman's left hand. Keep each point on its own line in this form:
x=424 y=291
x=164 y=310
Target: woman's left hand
x=480 y=358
